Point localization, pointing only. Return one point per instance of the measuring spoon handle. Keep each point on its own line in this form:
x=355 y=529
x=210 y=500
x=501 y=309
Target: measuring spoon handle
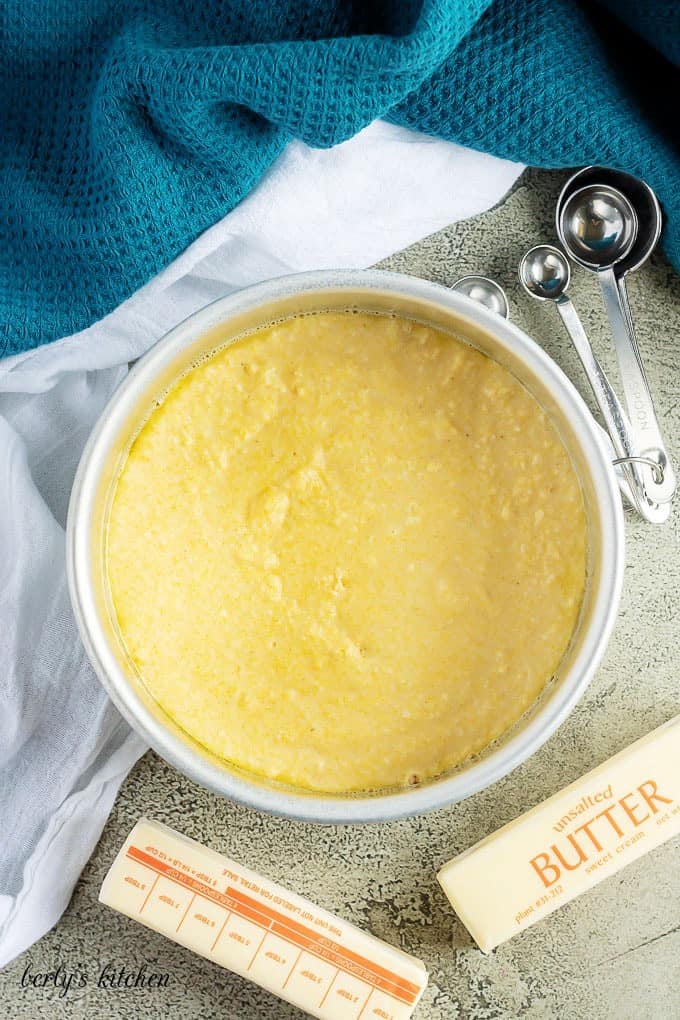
x=618 y=426
x=640 y=405
x=609 y=404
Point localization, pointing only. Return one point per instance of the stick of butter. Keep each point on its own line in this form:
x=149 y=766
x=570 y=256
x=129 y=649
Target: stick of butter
x=561 y=848
x=244 y=922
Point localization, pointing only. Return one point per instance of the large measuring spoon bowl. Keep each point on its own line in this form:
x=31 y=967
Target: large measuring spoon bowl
x=642 y=199
x=598 y=226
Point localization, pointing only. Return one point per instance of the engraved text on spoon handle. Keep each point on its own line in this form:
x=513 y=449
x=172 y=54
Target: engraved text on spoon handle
x=647 y=433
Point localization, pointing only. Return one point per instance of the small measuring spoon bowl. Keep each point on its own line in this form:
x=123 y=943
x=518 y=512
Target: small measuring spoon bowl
x=486 y=292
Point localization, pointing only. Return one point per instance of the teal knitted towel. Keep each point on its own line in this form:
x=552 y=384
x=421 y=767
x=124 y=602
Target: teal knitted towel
x=130 y=126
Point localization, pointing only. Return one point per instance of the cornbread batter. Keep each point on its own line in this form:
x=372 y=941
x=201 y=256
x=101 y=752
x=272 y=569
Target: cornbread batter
x=347 y=551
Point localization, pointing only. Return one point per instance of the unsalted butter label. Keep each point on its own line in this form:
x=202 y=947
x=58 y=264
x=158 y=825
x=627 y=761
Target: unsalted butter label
x=584 y=833
x=244 y=922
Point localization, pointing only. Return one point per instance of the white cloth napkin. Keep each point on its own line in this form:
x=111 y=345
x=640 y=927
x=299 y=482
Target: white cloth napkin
x=64 y=750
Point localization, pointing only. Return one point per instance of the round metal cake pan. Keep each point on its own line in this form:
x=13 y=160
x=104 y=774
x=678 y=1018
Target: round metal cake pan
x=224 y=321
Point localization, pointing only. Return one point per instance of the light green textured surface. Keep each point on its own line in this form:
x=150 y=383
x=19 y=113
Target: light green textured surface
x=614 y=953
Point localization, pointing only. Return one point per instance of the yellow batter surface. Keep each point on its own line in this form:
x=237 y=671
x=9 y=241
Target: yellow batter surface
x=347 y=552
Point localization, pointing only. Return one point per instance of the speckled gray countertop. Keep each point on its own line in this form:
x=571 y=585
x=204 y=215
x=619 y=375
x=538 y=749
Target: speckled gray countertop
x=613 y=953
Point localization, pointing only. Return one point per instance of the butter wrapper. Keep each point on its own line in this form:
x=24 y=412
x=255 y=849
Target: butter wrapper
x=243 y=921
x=564 y=846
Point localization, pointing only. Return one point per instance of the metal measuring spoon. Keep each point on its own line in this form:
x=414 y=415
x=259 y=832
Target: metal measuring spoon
x=486 y=292
x=640 y=196
x=599 y=228
x=545 y=275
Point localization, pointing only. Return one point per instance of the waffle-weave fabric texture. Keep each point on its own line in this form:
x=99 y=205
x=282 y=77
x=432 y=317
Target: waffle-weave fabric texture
x=130 y=126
